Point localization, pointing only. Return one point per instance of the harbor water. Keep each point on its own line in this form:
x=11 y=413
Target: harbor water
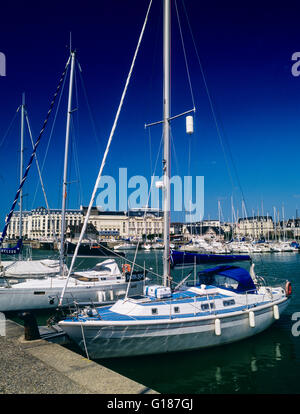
x=268 y=363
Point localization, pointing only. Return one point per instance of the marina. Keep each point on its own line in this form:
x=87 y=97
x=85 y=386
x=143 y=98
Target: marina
x=172 y=270
x=267 y=363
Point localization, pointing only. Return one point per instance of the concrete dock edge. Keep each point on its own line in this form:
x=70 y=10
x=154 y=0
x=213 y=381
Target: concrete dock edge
x=61 y=370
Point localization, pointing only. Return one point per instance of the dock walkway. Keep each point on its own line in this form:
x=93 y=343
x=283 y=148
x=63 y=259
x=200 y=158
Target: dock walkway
x=41 y=367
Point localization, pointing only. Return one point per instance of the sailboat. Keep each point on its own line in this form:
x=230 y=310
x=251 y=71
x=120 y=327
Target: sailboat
x=21 y=268
x=215 y=307
x=125 y=246
x=102 y=284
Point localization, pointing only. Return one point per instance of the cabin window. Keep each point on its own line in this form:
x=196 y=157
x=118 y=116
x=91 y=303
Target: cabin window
x=228 y=302
x=207 y=306
x=103 y=278
x=39 y=293
x=154 y=311
x=176 y=309
x=118 y=277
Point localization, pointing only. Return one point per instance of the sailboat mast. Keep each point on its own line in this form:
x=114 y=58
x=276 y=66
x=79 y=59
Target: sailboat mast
x=21 y=165
x=166 y=134
x=64 y=192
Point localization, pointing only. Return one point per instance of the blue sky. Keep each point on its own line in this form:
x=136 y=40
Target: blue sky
x=245 y=50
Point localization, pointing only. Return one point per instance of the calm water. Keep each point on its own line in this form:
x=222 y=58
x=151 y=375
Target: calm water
x=266 y=363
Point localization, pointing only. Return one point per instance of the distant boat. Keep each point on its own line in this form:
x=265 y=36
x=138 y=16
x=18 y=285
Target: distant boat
x=125 y=246
x=91 y=250
x=158 y=246
x=147 y=247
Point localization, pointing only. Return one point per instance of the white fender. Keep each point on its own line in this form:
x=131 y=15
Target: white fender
x=252 y=319
x=276 y=312
x=218 y=327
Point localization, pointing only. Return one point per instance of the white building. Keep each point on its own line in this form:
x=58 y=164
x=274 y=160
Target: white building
x=131 y=224
x=38 y=224
x=255 y=227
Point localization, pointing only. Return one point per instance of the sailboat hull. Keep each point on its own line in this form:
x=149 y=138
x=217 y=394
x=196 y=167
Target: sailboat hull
x=47 y=297
x=121 y=340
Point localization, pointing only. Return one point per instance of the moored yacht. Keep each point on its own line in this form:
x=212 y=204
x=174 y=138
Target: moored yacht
x=221 y=306
x=125 y=246
x=103 y=284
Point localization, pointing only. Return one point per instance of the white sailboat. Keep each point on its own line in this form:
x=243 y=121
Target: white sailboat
x=125 y=246
x=219 y=306
x=22 y=268
x=103 y=284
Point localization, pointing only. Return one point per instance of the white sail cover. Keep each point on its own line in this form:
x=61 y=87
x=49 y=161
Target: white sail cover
x=31 y=268
x=108 y=267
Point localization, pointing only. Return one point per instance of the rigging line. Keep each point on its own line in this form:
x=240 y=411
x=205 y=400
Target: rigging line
x=98 y=140
x=150 y=149
x=149 y=193
x=129 y=283
x=32 y=155
x=154 y=62
x=76 y=139
x=9 y=127
x=76 y=161
x=214 y=115
x=51 y=133
x=174 y=151
x=209 y=99
x=40 y=175
x=235 y=170
x=185 y=57
x=106 y=152
x=151 y=185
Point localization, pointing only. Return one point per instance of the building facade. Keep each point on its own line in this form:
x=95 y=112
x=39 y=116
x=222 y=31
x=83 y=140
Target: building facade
x=131 y=224
x=255 y=227
x=39 y=224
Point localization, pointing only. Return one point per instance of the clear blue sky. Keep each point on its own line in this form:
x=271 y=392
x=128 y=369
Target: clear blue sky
x=245 y=49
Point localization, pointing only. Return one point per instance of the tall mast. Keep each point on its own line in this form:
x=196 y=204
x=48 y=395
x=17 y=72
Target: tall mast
x=166 y=134
x=275 y=229
x=219 y=213
x=21 y=165
x=64 y=192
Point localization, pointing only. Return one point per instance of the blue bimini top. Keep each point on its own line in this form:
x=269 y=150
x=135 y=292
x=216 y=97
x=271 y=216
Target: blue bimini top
x=226 y=277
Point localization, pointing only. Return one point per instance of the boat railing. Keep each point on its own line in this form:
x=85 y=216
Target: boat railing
x=211 y=301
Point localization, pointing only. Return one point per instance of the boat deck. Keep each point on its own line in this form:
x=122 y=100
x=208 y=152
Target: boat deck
x=105 y=313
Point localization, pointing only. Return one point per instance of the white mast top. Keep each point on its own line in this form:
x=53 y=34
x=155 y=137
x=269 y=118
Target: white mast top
x=21 y=165
x=64 y=191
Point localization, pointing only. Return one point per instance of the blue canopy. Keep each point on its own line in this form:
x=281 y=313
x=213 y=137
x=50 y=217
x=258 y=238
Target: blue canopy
x=217 y=276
